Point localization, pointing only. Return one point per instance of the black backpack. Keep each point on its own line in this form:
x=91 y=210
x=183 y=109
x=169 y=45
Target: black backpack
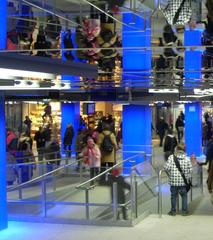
x=107 y=145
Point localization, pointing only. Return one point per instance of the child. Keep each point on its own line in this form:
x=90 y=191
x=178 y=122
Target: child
x=92 y=157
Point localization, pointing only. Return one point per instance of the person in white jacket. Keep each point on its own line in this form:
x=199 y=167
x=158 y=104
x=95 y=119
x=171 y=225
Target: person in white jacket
x=92 y=157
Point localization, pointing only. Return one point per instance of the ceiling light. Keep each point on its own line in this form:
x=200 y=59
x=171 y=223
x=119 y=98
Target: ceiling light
x=165 y=90
x=20 y=73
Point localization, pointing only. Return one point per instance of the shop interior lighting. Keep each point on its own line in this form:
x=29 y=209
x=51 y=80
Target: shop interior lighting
x=34 y=85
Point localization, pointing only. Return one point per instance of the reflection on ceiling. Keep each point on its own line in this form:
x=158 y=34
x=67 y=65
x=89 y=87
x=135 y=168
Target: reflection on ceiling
x=76 y=30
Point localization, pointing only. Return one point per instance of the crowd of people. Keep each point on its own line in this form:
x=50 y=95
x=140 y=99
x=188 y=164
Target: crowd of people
x=97 y=148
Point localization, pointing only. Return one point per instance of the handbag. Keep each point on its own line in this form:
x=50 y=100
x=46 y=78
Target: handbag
x=187 y=183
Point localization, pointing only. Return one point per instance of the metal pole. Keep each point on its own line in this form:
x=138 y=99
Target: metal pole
x=43 y=198
x=136 y=199
x=159 y=195
x=66 y=162
x=54 y=182
x=87 y=202
x=201 y=178
x=133 y=194
x=115 y=200
x=19 y=182
x=81 y=171
x=191 y=193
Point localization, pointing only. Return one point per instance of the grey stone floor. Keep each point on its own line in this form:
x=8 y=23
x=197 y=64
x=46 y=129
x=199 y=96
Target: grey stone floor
x=198 y=225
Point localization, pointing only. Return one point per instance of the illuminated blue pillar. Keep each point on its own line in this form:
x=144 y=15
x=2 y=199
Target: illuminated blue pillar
x=193 y=58
x=136 y=63
x=3 y=21
x=136 y=125
x=193 y=75
x=70 y=113
x=193 y=128
x=136 y=130
x=3 y=196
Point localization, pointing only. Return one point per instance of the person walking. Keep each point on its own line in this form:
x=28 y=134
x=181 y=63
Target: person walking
x=161 y=128
x=170 y=144
x=176 y=162
x=67 y=141
x=28 y=123
x=179 y=125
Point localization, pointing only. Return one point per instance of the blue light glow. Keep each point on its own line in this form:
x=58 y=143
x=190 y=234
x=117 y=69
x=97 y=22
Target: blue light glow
x=193 y=129
x=140 y=37
x=70 y=113
x=3 y=197
x=136 y=128
x=3 y=21
x=193 y=112
x=193 y=58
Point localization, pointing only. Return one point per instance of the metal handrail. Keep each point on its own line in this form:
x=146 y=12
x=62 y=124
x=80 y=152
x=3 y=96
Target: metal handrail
x=147 y=186
x=36 y=163
x=106 y=171
x=34 y=156
x=43 y=176
x=160 y=192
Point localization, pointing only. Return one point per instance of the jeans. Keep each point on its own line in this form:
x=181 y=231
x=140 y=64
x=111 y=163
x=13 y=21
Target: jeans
x=174 y=194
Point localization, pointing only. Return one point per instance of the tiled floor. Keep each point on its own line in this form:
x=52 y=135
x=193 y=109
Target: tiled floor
x=196 y=226
x=188 y=228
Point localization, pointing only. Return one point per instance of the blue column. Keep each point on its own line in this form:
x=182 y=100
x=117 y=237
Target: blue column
x=3 y=21
x=193 y=112
x=136 y=130
x=136 y=63
x=193 y=129
x=70 y=113
x=3 y=196
x=193 y=58
x=136 y=66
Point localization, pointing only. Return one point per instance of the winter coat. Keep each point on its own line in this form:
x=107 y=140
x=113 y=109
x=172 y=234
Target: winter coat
x=210 y=177
x=52 y=152
x=12 y=141
x=68 y=136
x=175 y=178
x=107 y=157
x=40 y=139
x=170 y=143
x=92 y=156
x=121 y=186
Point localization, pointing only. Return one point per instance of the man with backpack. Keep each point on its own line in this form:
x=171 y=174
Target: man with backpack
x=108 y=146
